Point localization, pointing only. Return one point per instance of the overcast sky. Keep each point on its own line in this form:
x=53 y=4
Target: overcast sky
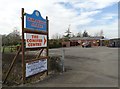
x=89 y=15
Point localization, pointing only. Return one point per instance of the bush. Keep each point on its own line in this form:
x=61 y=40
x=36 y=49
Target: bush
x=55 y=45
x=54 y=64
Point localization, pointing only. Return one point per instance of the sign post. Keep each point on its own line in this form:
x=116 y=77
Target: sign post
x=47 y=27
x=37 y=36
x=23 y=51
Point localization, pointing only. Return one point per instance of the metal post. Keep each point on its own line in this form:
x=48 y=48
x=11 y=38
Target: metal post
x=23 y=51
x=47 y=27
x=101 y=42
x=63 y=57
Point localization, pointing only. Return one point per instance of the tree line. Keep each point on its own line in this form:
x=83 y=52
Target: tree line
x=14 y=38
x=11 y=41
x=69 y=34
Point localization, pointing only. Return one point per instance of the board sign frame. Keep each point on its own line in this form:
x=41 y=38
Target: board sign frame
x=29 y=30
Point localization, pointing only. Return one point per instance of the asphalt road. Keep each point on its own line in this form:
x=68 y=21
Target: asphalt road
x=86 y=67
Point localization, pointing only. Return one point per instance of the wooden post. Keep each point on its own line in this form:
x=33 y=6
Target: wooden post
x=47 y=22
x=39 y=53
x=23 y=51
x=11 y=65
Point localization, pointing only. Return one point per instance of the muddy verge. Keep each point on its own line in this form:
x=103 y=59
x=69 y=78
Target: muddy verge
x=15 y=77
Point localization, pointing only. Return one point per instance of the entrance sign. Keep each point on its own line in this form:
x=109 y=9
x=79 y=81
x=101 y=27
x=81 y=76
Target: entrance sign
x=35 y=21
x=36 y=40
x=36 y=67
x=36 y=32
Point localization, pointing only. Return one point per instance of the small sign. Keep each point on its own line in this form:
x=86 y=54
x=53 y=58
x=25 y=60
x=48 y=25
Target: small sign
x=36 y=67
x=36 y=40
x=35 y=21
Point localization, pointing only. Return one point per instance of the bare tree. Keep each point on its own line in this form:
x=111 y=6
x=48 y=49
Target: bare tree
x=100 y=33
x=79 y=34
x=12 y=38
x=56 y=36
x=73 y=35
x=96 y=34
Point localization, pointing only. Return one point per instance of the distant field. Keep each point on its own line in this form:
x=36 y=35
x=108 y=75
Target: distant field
x=8 y=49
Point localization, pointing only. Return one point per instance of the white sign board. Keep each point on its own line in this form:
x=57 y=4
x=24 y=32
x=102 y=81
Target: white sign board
x=35 y=40
x=36 y=67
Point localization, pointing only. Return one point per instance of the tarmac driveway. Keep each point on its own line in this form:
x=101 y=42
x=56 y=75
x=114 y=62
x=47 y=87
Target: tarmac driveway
x=86 y=67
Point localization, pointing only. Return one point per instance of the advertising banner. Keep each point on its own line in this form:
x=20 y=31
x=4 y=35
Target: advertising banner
x=35 y=67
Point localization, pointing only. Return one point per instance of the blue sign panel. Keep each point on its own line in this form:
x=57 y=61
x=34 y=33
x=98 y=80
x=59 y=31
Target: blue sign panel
x=35 y=21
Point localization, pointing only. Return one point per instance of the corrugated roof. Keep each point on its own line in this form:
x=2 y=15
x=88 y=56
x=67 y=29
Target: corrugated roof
x=86 y=38
x=115 y=39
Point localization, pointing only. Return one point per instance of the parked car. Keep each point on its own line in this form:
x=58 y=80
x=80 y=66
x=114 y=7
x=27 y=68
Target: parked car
x=86 y=44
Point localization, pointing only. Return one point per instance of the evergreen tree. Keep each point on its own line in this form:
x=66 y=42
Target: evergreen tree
x=68 y=33
x=85 y=34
